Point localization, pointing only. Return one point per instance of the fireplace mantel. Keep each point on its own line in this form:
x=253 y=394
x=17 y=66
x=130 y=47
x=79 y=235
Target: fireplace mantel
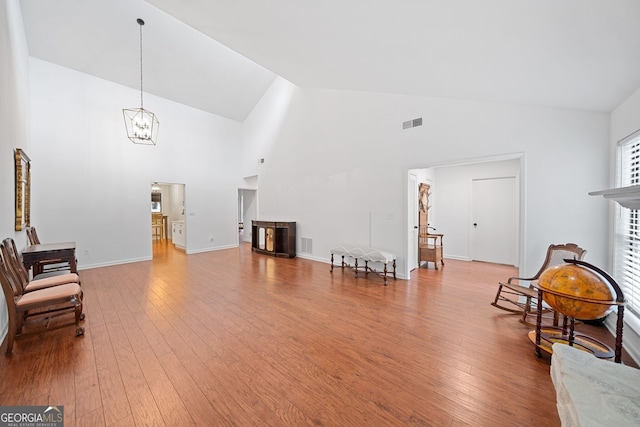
x=629 y=197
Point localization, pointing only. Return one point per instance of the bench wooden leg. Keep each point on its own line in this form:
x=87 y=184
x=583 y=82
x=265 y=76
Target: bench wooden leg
x=385 y=274
x=358 y=266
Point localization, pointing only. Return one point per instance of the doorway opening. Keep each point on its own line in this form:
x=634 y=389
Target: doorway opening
x=459 y=193
x=247 y=212
x=168 y=225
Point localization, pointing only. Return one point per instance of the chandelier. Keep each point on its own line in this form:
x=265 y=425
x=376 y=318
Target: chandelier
x=142 y=125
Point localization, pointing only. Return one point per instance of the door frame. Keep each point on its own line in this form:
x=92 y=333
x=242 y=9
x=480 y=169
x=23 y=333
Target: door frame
x=412 y=220
x=404 y=270
x=171 y=187
x=246 y=227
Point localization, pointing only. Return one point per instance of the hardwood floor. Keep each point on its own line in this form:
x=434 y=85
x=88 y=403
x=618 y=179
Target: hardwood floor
x=236 y=338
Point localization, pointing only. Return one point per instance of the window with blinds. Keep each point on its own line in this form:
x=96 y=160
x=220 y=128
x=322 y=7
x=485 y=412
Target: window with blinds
x=627 y=225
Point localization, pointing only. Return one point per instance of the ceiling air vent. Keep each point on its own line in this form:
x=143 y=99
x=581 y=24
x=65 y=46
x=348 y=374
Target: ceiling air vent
x=412 y=123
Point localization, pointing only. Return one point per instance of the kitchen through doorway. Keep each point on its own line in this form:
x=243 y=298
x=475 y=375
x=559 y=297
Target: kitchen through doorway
x=168 y=225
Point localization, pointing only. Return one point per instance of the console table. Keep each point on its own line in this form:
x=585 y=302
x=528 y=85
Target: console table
x=274 y=238
x=34 y=254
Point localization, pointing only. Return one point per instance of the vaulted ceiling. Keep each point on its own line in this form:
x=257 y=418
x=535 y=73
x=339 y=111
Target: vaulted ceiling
x=221 y=56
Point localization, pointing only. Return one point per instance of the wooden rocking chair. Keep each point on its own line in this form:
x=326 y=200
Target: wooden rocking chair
x=523 y=298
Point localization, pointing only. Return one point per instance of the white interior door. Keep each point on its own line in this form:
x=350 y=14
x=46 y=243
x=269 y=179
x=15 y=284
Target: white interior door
x=494 y=208
x=413 y=222
x=248 y=212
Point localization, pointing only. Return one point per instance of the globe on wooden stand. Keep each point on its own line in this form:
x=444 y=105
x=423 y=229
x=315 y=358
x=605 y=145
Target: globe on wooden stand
x=578 y=290
x=571 y=288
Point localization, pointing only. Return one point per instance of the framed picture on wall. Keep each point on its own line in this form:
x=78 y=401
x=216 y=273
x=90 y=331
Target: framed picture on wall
x=23 y=190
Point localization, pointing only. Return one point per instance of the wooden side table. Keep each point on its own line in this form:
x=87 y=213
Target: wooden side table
x=34 y=254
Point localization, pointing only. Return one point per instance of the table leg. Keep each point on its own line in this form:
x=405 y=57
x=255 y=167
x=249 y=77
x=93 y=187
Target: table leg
x=72 y=263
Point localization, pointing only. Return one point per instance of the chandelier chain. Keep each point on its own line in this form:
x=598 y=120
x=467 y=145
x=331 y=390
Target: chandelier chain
x=141 y=125
x=141 y=87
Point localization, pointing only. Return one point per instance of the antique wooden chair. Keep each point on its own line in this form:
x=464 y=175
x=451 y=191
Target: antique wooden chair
x=32 y=235
x=21 y=275
x=430 y=247
x=518 y=298
x=157 y=226
x=43 y=303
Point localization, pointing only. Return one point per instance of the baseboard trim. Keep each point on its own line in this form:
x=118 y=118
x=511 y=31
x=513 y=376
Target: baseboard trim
x=110 y=263
x=211 y=249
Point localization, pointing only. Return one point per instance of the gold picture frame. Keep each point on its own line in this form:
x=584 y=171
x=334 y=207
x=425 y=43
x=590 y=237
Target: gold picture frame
x=23 y=190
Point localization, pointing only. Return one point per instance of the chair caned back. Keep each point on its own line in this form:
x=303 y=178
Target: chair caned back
x=556 y=254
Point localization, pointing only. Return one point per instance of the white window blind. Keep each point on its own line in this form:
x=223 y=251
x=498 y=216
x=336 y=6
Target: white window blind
x=627 y=239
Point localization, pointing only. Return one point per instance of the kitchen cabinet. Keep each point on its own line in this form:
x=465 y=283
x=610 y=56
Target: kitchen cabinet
x=178 y=234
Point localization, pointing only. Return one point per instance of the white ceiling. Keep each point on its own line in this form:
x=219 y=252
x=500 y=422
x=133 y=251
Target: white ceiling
x=102 y=38
x=582 y=54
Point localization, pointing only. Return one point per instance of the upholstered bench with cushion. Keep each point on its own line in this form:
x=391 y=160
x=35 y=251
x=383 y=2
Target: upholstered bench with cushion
x=592 y=391
x=366 y=254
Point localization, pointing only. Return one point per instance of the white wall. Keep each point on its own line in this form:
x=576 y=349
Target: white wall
x=264 y=129
x=339 y=162
x=91 y=184
x=14 y=123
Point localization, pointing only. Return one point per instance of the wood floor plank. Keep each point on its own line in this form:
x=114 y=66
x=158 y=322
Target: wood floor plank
x=236 y=338
x=112 y=389
x=202 y=411
x=167 y=399
x=93 y=418
x=144 y=409
x=87 y=388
